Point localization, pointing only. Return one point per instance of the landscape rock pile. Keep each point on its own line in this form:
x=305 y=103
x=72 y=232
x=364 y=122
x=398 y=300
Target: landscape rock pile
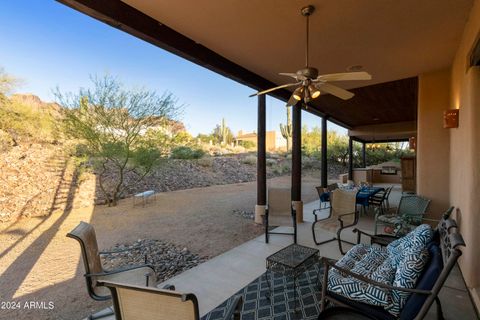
x=167 y=259
x=244 y=214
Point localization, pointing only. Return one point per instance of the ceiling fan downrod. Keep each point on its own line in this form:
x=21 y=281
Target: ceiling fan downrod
x=307 y=12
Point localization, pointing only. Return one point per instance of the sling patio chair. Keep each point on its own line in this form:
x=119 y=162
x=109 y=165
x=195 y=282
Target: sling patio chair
x=143 y=275
x=280 y=212
x=410 y=213
x=142 y=303
x=324 y=194
x=343 y=214
x=400 y=281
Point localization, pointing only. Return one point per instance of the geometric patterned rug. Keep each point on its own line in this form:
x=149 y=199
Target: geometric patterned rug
x=282 y=306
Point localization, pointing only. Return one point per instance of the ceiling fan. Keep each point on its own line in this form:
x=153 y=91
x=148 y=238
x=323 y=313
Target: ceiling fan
x=309 y=84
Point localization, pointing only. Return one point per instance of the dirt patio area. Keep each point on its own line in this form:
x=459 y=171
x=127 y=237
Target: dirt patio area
x=38 y=263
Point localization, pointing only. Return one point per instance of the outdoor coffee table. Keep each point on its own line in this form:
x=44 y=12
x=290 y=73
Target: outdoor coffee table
x=291 y=261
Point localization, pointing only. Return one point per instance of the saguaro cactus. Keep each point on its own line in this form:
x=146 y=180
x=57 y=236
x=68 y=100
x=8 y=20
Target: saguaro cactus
x=224 y=131
x=286 y=129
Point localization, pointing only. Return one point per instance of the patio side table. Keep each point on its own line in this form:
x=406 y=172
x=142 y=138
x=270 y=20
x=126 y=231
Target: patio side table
x=291 y=261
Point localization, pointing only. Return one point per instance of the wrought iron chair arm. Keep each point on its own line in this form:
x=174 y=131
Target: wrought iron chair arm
x=381 y=240
x=331 y=264
x=235 y=308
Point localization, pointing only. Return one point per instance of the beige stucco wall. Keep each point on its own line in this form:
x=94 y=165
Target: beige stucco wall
x=433 y=141
x=465 y=151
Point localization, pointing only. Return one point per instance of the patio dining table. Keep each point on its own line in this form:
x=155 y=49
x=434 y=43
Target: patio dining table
x=364 y=195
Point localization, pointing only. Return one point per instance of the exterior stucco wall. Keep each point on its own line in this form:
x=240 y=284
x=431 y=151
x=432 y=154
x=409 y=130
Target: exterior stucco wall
x=465 y=151
x=433 y=141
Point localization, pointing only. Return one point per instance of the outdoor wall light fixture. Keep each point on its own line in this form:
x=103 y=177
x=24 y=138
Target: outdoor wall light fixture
x=450 y=118
x=412 y=143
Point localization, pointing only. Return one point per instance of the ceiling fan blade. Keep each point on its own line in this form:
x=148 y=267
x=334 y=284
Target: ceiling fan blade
x=336 y=91
x=275 y=88
x=298 y=77
x=362 y=75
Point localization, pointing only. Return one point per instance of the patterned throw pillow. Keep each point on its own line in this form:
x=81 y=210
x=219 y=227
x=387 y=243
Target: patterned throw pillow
x=413 y=241
x=400 y=264
x=409 y=270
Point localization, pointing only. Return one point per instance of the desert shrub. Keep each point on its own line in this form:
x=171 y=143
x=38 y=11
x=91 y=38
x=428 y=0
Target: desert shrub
x=20 y=120
x=281 y=168
x=247 y=144
x=184 y=152
x=271 y=162
x=311 y=163
x=250 y=159
x=181 y=138
x=205 y=162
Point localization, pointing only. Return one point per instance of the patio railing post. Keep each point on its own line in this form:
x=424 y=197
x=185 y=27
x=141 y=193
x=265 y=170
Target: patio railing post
x=261 y=161
x=324 y=153
x=297 y=161
x=350 y=158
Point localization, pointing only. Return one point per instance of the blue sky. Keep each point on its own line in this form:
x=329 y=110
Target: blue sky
x=47 y=44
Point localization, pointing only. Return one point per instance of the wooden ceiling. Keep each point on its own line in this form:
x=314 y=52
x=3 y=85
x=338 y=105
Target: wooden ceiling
x=388 y=102
x=394 y=40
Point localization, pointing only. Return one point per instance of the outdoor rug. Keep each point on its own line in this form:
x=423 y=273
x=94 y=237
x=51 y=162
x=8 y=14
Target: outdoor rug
x=281 y=305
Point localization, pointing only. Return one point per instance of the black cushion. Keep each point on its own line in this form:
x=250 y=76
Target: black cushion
x=374 y=312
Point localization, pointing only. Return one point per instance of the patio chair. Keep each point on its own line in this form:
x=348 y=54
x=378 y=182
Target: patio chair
x=387 y=198
x=143 y=275
x=377 y=202
x=280 y=212
x=360 y=282
x=141 y=303
x=324 y=194
x=409 y=214
x=385 y=239
x=343 y=214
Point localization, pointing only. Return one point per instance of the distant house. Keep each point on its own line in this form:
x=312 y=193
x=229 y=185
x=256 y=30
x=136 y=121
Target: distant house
x=274 y=140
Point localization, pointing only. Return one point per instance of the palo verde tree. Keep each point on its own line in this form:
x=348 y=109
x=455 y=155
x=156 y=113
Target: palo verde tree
x=112 y=121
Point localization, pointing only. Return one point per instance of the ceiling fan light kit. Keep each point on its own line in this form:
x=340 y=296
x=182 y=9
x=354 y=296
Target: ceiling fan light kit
x=309 y=83
x=298 y=93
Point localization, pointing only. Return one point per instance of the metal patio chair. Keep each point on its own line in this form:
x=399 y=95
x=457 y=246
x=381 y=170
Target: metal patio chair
x=343 y=214
x=141 y=303
x=142 y=275
x=409 y=214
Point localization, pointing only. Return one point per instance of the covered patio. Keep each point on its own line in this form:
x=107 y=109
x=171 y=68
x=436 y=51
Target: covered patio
x=216 y=280
x=425 y=60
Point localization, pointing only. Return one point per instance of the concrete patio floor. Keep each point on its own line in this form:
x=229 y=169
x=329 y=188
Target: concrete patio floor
x=222 y=276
